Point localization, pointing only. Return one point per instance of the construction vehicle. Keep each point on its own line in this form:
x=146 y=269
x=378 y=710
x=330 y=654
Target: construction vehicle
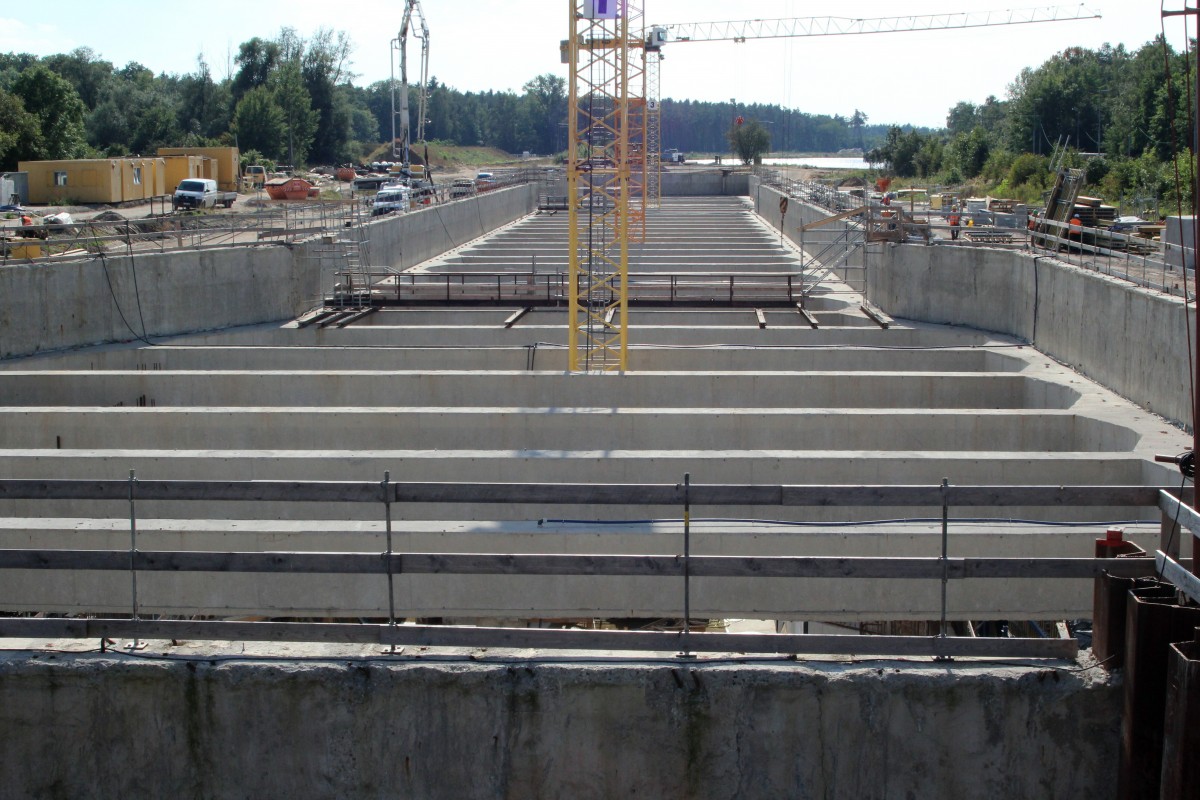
x=402 y=137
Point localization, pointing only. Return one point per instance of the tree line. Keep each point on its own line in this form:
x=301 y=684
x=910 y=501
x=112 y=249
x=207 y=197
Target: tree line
x=291 y=98
x=1120 y=115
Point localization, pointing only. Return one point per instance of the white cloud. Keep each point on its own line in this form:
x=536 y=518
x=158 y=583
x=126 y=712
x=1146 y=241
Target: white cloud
x=40 y=38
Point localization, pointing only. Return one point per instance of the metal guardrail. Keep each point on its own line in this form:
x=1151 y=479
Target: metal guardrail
x=1131 y=258
x=183 y=231
x=1141 y=261
x=686 y=566
x=286 y=222
x=549 y=288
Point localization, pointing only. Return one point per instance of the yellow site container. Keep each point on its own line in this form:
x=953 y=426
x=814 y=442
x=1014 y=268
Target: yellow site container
x=27 y=250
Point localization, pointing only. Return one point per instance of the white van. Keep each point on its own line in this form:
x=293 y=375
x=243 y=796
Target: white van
x=391 y=197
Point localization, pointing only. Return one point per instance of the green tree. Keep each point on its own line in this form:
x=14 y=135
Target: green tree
x=992 y=115
x=962 y=118
x=19 y=132
x=12 y=65
x=259 y=123
x=299 y=118
x=749 y=141
x=547 y=108
x=1028 y=168
x=58 y=109
x=108 y=128
x=968 y=152
x=1060 y=100
x=85 y=71
x=255 y=59
x=1137 y=115
x=928 y=160
x=899 y=152
x=155 y=125
x=204 y=104
x=325 y=67
x=857 y=122
x=378 y=99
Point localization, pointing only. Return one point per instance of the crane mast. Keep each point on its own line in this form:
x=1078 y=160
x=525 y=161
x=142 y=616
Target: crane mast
x=401 y=122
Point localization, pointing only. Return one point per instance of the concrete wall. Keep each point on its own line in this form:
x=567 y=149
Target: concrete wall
x=713 y=181
x=405 y=240
x=54 y=306
x=46 y=307
x=1131 y=340
x=766 y=205
x=104 y=726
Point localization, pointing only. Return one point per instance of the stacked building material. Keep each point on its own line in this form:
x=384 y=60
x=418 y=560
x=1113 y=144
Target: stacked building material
x=1093 y=213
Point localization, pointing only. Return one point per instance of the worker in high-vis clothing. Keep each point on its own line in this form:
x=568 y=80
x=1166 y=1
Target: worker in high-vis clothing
x=954 y=219
x=1076 y=229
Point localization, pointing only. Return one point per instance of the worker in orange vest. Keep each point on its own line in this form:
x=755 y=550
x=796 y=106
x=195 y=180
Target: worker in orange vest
x=954 y=219
x=1076 y=230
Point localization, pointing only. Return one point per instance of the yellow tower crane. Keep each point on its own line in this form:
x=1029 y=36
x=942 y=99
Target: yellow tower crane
x=614 y=151
x=598 y=182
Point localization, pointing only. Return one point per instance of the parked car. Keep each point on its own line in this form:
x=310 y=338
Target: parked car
x=201 y=193
x=254 y=176
x=393 y=197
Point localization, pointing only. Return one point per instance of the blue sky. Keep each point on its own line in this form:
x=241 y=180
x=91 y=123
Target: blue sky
x=500 y=44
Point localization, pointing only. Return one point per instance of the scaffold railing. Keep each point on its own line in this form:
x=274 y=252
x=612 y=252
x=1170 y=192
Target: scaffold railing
x=1168 y=503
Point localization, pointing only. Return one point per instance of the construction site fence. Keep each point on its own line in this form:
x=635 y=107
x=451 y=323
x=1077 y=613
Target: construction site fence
x=680 y=567
x=274 y=222
x=1159 y=265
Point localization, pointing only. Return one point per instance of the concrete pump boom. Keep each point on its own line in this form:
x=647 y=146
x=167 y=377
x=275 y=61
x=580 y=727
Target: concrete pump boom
x=402 y=137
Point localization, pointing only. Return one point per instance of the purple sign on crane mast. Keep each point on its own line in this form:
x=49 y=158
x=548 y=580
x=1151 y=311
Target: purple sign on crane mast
x=602 y=9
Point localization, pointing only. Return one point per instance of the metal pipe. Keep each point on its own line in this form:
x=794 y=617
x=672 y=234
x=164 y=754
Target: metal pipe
x=687 y=553
x=945 y=550
x=133 y=554
x=387 y=515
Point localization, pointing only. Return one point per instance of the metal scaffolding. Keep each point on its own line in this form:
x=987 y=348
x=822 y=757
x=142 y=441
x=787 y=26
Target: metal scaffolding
x=598 y=181
x=653 y=127
x=638 y=122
